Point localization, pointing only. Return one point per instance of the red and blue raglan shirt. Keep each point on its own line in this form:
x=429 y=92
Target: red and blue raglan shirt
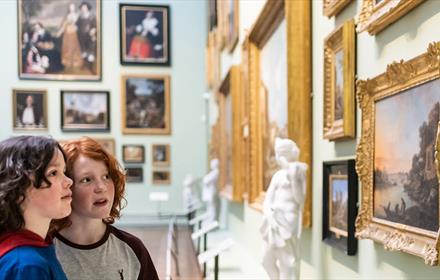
x=25 y=255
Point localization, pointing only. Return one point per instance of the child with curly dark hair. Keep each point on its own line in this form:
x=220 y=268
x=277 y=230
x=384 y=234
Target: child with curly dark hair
x=33 y=190
x=87 y=245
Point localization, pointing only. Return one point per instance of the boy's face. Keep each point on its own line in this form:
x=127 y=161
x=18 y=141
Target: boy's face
x=50 y=202
x=93 y=191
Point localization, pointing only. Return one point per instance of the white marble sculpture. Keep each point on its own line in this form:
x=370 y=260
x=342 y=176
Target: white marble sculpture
x=189 y=191
x=209 y=191
x=282 y=213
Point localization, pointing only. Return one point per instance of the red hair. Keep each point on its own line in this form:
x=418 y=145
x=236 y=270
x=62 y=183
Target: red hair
x=88 y=147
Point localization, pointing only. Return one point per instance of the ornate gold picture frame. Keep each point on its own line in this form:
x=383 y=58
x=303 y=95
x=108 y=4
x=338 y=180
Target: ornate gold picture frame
x=376 y=15
x=228 y=98
x=297 y=15
x=333 y=7
x=397 y=156
x=145 y=102
x=339 y=76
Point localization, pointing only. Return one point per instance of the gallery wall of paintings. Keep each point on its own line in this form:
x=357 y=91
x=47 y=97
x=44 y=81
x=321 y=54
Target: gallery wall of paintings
x=104 y=69
x=373 y=133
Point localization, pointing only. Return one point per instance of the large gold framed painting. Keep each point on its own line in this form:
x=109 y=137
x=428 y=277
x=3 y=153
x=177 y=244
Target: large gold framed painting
x=59 y=40
x=397 y=156
x=279 y=92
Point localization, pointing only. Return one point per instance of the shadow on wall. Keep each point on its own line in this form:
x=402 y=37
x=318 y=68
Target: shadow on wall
x=411 y=266
x=416 y=16
x=237 y=210
x=347 y=13
x=345 y=148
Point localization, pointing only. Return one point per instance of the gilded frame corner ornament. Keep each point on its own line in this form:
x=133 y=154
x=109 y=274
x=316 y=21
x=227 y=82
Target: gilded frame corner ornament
x=374 y=17
x=339 y=121
x=333 y=7
x=394 y=236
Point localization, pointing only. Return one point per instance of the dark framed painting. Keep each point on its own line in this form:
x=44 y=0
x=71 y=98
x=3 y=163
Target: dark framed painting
x=29 y=109
x=161 y=154
x=85 y=111
x=145 y=34
x=161 y=177
x=59 y=40
x=133 y=153
x=340 y=192
x=145 y=104
x=134 y=174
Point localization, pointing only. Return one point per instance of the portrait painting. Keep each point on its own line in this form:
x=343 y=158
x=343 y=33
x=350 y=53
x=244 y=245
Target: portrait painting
x=145 y=105
x=339 y=88
x=85 y=111
x=405 y=174
x=29 y=109
x=161 y=177
x=340 y=191
x=145 y=34
x=133 y=153
x=161 y=154
x=134 y=174
x=59 y=40
x=273 y=88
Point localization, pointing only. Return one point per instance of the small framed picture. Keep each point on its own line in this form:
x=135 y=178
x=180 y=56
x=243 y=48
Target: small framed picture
x=161 y=154
x=145 y=34
x=133 y=153
x=29 y=109
x=108 y=144
x=161 y=177
x=340 y=193
x=145 y=101
x=85 y=111
x=134 y=174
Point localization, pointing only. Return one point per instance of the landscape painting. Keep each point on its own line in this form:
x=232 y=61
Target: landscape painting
x=338 y=210
x=405 y=179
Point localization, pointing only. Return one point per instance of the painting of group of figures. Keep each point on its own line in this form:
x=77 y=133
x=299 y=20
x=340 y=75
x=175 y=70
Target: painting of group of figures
x=60 y=39
x=405 y=178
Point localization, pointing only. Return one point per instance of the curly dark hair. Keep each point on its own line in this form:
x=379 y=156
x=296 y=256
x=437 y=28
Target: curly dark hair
x=23 y=162
x=88 y=147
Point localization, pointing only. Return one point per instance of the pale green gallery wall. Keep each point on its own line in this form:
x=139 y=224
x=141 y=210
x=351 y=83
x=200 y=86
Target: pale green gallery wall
x=188 y=131
x=405 y=39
